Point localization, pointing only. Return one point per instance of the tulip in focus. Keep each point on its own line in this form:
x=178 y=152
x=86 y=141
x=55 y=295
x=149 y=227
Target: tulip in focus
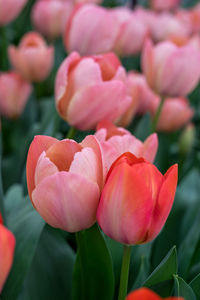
x=175 y=113
x=7 y=247
x=50 y=16
x=146 y=294
x=132 y=32
x=170 y=70
x=90 y=89
x=14 y=93
x=136 y=200
x=10 y=9
x=64 y=181
x=117 y=140
x=161 y=5
x=32 y=58
x=91 y=30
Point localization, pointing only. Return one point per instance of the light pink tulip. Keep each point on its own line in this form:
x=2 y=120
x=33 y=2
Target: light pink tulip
x=50 y=16
x=90 y=89
x=91 y=30
x=32 y=58
x=14 y=93
x=132 y=32
x=175 y=113
x=64 y=181
x=161 y=5
x=10 y=9
x=190 y=17
x=136 y=200
x=170 y=70
x=7 y=247
x=117 y=140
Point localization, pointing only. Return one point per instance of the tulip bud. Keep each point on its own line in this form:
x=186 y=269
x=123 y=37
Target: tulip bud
x=14 y=93
x=90 y=89
x=91 y=30
x=10 y=9
x=136 y=200
x=144 y=294
x=33 y=58
x=170 y=70
x=64 y=181
x=7 y=246
x=117 y=140
x=186 y=139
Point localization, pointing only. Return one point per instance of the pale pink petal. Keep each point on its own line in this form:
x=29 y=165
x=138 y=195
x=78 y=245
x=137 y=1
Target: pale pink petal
x=150 y=147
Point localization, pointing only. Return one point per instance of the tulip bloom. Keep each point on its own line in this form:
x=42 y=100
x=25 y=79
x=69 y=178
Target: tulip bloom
x=64 y=181
x=91 y=30
x=132 y=32
x=90 y=89
x=50 y=16
x=117 y=140
x=175 y=113
x=161 y=5
x=136 y=200
x=10 y=9
x=7 y=247
x=33 y=58
x=170 y=70
x=146 y=294
x=14 y=93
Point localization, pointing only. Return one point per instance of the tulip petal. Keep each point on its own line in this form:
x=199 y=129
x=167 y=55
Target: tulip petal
x=67 y=201
x=39 y=144
x=143 y=294
x=164 y=202
x=150 y=147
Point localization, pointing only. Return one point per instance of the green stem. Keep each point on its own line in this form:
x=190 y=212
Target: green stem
x=79 y=243
x=4 y=48
x=157 y=115
x=71 y=133
x=124 y=273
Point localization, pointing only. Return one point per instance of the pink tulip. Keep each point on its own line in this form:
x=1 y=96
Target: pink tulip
x=50 y=16
x=170 y=70
x=132 y=32
x=90 y=89
x=33 y=58
x=136 y=200
x=64 y=181
x=190 y=17
x=14 y=93
x=91 y=30
x=117 y=140
x=10 y=9
x=161 y=5
x=7 y=247
x=175 y=113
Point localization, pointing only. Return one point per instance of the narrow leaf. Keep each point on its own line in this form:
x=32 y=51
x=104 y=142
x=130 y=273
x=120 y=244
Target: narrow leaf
x=182 y=289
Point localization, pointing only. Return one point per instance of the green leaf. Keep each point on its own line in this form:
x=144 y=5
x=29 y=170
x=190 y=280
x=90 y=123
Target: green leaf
x=93 y=272
x=164 y=270
x=50 y=275
x=27 y=226
x=195 y=285
x=182 y=289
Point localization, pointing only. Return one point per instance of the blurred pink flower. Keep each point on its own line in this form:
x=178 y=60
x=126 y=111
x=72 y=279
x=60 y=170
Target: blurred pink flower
x=10 y=9
x=90 y=89
x=14 y=93
x=32 y=58
x=161 y=5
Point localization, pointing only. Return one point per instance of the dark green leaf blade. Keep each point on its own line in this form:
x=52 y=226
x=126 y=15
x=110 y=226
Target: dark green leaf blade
x=182 y=289
x=195 y=285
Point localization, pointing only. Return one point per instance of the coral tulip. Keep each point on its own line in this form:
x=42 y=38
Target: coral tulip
x=161 y=5
x=132 y=32
x=10 y=9
x=90 y=89
x=91 y=30
x=136 y=200
x=14 y=93
x=33 y=58
x=50 y=16
x=170 y=70
x=7 y=247
x=117 y=140
x=175 y=113
x=64 y=181
x=146 y=294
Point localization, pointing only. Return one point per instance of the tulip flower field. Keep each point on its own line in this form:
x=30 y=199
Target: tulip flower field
x=99 y=150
